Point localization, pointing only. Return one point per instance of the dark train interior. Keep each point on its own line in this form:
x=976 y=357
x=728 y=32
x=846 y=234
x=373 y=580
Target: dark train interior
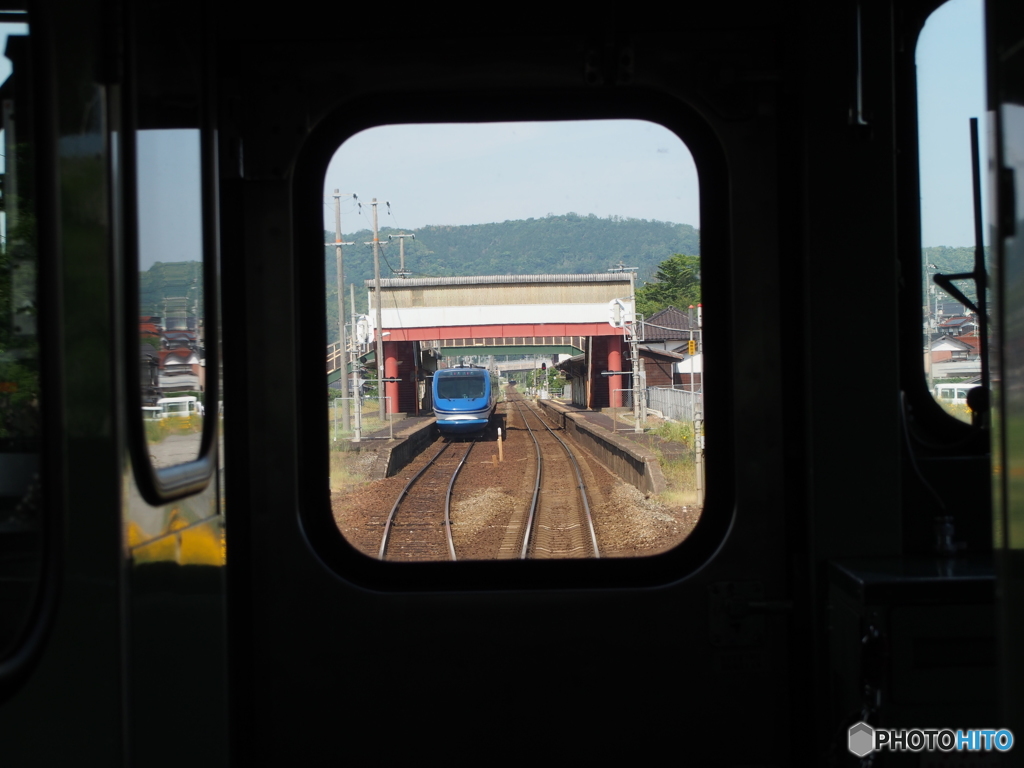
x=859 y=554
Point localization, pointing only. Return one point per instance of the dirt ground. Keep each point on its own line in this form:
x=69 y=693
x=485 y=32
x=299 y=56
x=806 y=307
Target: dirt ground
x=490 y=493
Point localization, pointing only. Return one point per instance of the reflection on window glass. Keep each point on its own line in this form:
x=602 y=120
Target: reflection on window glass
x=20 y=423
x=951 y=90
x=529 y=274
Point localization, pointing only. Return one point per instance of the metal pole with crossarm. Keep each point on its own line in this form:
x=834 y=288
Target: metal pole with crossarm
x=377 y=303
x=339 y=261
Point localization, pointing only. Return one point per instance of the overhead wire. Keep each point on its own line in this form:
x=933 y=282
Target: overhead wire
x=351 y=200
x=403 y=229
x=381 y=244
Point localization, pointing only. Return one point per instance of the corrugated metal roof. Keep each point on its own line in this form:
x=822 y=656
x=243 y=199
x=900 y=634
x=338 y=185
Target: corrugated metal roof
x=423 y=282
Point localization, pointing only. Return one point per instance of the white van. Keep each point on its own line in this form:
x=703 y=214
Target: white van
x=955 y=394
x=177 y=407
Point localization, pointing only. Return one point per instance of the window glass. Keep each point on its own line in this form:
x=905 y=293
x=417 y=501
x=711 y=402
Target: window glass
x=951 y=91
x=528 y=273
x=20 y=423
x=455 y=389
x=171 y=321
x=167 y=113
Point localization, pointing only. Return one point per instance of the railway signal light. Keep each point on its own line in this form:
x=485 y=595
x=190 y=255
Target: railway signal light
x=692 y=346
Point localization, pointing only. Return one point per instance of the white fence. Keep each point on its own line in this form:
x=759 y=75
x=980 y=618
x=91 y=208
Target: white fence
x=676 y=404
x=368 y=420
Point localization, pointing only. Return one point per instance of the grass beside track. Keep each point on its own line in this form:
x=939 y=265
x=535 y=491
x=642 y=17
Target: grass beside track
x=348 y=469
x=679 y=470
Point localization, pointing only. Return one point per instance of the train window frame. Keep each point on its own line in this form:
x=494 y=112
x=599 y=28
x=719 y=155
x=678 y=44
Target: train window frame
x=927 y=424
x=314 y=508
x=19 y=661
x=161 y=485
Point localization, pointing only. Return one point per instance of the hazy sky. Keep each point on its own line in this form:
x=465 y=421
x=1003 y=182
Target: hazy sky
x=474 y=173
x=170 y=196
x=951 y=90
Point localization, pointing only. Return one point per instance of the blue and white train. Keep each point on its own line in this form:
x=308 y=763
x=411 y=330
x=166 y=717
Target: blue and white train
x=464 y=398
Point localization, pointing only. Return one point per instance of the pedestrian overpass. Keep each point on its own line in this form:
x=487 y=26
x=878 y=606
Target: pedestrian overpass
x=499 y=314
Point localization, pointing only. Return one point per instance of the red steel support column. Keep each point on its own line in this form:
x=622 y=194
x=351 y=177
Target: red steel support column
x=415 y=375
x=614 y=364
x=391 y=372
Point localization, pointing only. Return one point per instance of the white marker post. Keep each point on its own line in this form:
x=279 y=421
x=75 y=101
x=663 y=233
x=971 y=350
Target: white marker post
x=501 y=452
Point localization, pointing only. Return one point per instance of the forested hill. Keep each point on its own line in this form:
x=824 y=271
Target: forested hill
x=950 y=261
x=552 y=245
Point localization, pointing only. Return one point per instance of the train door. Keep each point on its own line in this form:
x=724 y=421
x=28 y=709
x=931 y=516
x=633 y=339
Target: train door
x=333 y=651
x=1006 y=100
x=121 y=657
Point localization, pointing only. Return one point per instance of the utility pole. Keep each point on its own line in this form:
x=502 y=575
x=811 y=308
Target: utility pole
x=356 y=390
x=377 y=303
x=339 y=262
x=639 y=392
x=402 y=271
x=932 y=323
x=639 y=375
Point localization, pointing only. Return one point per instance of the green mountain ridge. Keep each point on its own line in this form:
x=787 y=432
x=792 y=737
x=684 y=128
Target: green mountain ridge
x=949 y=260
x=566 y=244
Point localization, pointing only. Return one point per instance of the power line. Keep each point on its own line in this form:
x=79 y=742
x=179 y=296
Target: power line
x=402 y=272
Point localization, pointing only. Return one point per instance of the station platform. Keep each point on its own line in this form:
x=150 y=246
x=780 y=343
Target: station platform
x=633 y=456
x=622 y=429
x=412 y=434
x=403 y=427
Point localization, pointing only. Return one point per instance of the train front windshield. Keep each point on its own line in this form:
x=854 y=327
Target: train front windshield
x=460 y=387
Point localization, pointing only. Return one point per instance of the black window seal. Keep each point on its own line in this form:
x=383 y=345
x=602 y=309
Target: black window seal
x=314 y=511
x=927 y=425
x=18 y=665
x=167 y=484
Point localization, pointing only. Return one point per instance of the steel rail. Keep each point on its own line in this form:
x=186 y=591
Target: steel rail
x=579 y=480
x=448 y=500
x=579 y=485
x=391 y=515
x=528 y=532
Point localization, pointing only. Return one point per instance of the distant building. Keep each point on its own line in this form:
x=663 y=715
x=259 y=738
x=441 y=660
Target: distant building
x=947 y=309
x=689 y=373
x=954 y=357
x=180 y=370
x=671 y=329
x=575 y=370
x=180 y=340
x=658 y=364
x=150 y=326
x=958 y=325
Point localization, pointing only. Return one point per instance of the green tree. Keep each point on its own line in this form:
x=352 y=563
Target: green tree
x=677 y=283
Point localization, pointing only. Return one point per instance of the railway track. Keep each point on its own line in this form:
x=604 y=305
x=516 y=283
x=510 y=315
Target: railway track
x=559 y=523
x=419 y=524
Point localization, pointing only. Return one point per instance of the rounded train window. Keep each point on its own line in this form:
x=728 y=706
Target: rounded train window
x=950 y=93
x=518 y=321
